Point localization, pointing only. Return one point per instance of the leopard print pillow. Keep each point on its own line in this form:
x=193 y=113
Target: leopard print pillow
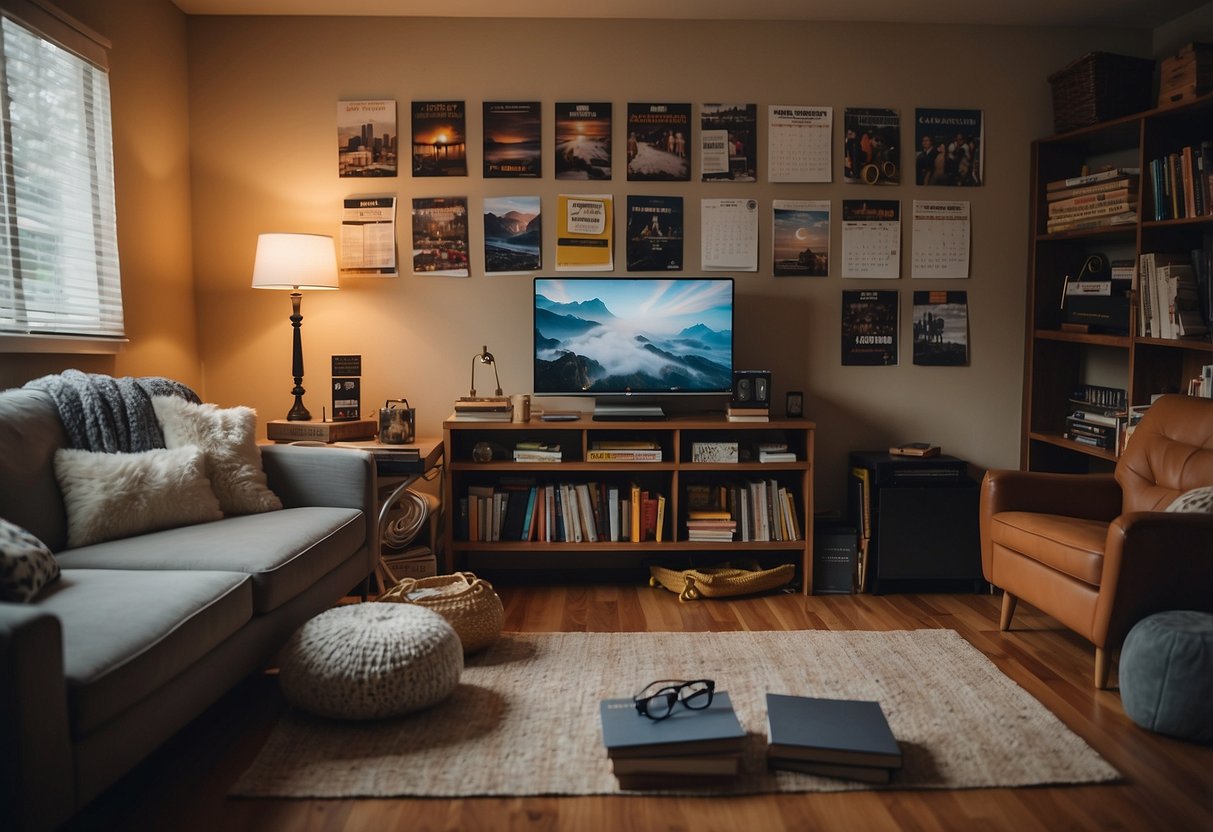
x=26 y=565
x=1198 y=500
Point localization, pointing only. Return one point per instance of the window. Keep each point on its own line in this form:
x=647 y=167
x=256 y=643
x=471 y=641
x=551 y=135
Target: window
x=59 y=275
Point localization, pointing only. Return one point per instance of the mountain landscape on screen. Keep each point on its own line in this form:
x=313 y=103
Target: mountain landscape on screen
x=633 y=336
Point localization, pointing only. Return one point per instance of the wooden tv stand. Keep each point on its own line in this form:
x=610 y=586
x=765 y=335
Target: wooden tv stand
x=676 y=476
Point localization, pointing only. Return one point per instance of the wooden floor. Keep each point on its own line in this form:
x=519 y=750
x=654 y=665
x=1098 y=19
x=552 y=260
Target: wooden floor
x=1168 y=784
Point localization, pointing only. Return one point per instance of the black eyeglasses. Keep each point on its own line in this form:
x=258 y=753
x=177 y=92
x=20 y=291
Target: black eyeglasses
x=656 y=700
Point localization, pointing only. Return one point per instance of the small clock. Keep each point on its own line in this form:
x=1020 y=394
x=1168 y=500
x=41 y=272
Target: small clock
x=795 y=404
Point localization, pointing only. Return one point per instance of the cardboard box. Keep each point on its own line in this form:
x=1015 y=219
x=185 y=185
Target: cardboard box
x=424 y=566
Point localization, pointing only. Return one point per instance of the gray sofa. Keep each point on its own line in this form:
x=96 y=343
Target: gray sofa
x=140 y=635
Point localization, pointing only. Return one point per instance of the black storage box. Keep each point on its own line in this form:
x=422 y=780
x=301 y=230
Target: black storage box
x=1102 y=313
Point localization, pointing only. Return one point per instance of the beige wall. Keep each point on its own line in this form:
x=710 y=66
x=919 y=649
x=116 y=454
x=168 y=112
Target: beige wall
x=150 y=97
x=251 y=112
x=263 y=95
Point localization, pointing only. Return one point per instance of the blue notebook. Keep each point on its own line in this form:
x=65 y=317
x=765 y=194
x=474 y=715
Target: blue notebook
x=848 y=732
x=713 y=730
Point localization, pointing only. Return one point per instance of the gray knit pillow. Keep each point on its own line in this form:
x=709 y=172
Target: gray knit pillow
x=26 y=564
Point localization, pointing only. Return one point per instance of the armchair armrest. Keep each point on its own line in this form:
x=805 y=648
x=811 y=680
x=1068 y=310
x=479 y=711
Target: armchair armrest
x=1153 y=561
x=303 y=475
x=1089 y=496
x=37 y=775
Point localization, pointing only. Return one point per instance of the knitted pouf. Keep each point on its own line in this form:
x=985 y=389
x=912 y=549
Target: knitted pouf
x=1166 y=674
x=368 y=661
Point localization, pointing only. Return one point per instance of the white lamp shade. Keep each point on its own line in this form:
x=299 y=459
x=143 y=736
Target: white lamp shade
x=295 y=261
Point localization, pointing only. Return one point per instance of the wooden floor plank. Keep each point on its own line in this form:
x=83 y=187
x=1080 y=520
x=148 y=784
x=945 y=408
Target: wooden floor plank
x=1167 y=784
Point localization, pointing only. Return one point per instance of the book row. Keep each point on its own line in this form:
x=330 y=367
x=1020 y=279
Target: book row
x=566 y=512
x=592 y=512
x=1175 y=294
x=1181 y=183
x=1105 y=198
x=753 y=511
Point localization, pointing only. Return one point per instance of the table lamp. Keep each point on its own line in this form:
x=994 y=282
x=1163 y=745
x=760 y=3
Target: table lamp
x=294 y=262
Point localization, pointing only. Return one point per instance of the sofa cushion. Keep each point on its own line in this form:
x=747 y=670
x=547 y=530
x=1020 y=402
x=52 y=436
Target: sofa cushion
x=285 y=551
x=114 y=495
x=1066 y=544
x=126 y=633
x=26 y=564
x=228 y=438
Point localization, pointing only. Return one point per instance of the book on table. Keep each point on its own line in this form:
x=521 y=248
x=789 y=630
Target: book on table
x=849 y=732
x=714 y=730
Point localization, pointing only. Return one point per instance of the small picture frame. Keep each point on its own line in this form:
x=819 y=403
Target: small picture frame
x=794 y=406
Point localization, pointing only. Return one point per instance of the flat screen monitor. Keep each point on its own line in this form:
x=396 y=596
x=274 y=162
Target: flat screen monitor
x=619 y=337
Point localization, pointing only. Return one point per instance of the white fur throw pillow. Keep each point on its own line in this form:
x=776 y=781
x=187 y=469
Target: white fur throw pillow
x=108 y=496
x=26 y=564
x=1197 y=500
x=229 y=440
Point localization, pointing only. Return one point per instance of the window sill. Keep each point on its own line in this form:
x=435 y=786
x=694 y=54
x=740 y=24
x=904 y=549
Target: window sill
x=60 y=344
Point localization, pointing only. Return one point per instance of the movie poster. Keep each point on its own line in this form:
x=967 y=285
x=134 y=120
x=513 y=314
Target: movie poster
x=440 y=138
x=728 y=142
x=941 y=329
x=654 y=233
x=585 y=232
x=583 y=141
x=513 y=238
x=802 y=237
x=440 y=236
x=659 y=142
x=513 y=140
x=871 y=146
x=948 y=146
x=869 y=327
x=367 y=142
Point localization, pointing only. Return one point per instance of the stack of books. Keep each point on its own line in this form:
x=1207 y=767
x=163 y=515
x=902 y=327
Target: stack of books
x=775 y=452
x=918 y=449
x=528 y=451
x=845 y=738
x=748 y=414
x=624 y=450
x=710 y=524
x=1108 y=197
x=1097 y=417
x=686 y=749
x=495 y=409
x=283 y=430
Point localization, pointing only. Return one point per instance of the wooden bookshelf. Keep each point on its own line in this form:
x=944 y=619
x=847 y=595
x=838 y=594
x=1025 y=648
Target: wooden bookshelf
x=670 y=477
x=1057 y=361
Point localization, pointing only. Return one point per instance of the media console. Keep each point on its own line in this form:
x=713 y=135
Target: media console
x=674 y=481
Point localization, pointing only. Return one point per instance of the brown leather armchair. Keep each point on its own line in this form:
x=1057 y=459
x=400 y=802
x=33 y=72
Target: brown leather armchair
x=1097 y=551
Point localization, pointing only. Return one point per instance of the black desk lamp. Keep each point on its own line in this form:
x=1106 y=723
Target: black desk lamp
x=294 y=262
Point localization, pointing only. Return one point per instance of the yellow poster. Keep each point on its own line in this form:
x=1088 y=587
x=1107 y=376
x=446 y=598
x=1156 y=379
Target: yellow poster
x=585 y=233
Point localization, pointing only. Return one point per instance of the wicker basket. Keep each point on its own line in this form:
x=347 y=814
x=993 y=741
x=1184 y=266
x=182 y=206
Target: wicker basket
x=720 y=581
x=1099 y=86
x=467 y=602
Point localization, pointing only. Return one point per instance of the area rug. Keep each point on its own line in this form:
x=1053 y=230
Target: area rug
x=524 y=718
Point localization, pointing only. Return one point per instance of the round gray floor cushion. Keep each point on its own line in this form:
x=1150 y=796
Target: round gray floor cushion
x=368 y=661
x=1166 y=674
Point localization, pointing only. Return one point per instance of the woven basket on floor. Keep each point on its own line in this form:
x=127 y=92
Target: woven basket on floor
x=467 y=602
x=721 y=581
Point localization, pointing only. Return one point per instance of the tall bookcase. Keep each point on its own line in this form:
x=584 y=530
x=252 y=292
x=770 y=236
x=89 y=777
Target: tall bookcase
x=674 y=477
x=1058 y=361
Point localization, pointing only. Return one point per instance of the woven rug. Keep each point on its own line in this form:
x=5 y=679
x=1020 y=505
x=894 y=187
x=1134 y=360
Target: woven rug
x=524 y=718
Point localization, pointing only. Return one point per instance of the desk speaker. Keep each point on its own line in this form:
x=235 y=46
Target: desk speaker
x=751 y=388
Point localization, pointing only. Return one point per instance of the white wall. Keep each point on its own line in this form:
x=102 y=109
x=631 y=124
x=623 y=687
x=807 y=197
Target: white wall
x=263 y=95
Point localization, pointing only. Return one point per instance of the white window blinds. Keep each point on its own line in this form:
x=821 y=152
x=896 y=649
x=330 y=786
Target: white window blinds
x=58 y=241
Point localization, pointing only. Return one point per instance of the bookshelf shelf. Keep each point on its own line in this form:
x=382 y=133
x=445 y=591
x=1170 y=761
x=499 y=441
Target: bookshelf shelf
x=675 y=478
x=1058 y=360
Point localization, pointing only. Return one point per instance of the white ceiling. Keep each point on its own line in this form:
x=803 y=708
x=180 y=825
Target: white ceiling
x=1102 y=13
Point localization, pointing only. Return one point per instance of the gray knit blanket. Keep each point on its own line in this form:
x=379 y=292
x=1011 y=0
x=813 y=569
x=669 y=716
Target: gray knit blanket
x=103 y=413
